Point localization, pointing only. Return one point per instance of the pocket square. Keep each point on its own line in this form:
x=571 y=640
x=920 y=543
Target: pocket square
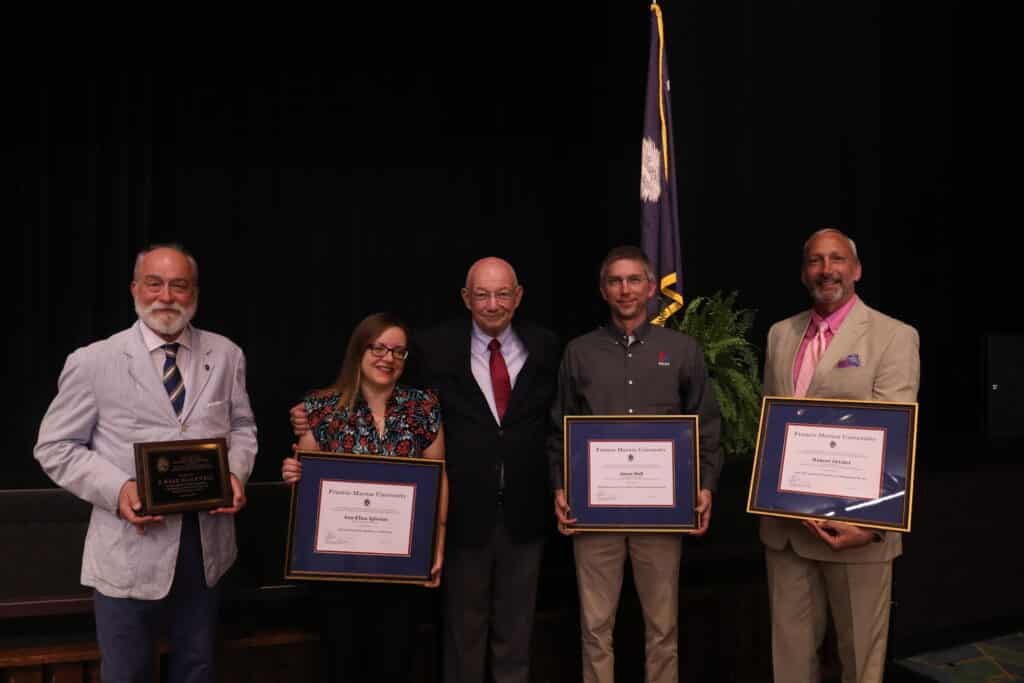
x=851 y=361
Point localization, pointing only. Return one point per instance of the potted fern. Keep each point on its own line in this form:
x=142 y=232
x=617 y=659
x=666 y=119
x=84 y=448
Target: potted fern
x=732 y=366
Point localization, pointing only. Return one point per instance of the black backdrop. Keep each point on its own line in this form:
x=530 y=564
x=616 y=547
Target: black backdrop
x=319 y=181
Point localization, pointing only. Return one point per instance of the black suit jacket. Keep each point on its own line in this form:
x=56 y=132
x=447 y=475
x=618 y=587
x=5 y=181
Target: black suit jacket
x=476 y=446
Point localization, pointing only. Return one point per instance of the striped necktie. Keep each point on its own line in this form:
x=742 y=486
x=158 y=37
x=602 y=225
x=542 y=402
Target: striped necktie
x=172 y=377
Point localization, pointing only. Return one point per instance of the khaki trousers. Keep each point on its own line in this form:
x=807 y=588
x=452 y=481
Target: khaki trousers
x=600 y=559
x=799 y=590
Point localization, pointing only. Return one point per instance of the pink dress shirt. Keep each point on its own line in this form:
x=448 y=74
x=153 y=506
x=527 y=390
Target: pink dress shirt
x=834 y=321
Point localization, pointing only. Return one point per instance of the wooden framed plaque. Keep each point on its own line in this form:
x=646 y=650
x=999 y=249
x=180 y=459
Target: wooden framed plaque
x=182 y=476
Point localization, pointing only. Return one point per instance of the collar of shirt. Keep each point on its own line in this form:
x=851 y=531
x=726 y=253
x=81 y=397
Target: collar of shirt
x=361 y=412
x=154 y=344
x=834 y=320
x=639 y=333
x=512 y=350
x=480 y=340
x=153 y=341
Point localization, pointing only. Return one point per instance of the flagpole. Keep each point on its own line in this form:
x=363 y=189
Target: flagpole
x=661 y=79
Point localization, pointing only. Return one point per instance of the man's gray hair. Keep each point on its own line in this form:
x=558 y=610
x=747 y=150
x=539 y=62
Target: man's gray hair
x=853 y=245
x=169 y=245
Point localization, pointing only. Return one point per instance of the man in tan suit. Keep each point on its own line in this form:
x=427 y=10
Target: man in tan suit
x=841 y=349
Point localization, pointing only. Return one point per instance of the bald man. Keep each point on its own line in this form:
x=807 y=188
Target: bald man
x=496 y=382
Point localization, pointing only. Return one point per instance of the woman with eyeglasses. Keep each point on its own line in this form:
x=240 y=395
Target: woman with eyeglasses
x=367 y=633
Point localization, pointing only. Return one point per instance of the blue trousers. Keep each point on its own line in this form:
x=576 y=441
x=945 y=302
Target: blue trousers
x=128 y=629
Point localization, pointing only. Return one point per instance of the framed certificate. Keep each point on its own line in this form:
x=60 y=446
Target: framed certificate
x=181 y=476
x=849 y=461
x=632 y=473
x=363 y=518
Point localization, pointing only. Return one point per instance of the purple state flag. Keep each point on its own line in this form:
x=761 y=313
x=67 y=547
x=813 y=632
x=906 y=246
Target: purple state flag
x=660 y=238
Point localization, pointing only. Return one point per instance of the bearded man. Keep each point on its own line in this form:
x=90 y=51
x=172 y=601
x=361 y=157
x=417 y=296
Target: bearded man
x=159 y=380
x=840 y=348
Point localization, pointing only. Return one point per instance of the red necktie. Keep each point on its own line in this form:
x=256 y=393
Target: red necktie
x=500 y=382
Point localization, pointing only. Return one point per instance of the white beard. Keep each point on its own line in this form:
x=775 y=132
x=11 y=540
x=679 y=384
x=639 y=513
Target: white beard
x=161 y=324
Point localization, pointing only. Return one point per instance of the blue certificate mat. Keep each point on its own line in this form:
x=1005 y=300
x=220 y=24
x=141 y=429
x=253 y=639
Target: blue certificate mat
x=363 y=518
x=632 y=473
x=848 y=461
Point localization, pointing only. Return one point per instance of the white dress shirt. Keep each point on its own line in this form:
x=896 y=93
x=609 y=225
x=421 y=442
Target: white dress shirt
x=154 y=343
x=512 y=350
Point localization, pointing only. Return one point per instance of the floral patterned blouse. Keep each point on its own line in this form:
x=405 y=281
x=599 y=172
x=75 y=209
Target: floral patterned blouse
x=411 y=422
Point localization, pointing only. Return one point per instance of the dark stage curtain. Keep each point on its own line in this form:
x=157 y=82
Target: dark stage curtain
x=316 y=188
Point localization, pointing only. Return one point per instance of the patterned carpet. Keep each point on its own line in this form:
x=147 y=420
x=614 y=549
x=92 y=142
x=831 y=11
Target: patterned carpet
x=999 y=660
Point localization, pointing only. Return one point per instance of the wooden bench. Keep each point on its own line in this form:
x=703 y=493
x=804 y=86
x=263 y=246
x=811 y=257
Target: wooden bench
x=265 y=655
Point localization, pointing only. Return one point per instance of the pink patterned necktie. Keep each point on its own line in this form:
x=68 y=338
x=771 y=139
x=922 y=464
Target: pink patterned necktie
x=812 y=354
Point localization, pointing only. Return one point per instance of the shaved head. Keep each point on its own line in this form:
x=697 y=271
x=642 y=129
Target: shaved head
x=490 y=264
x=830 y=270
x=492 y=294
x=837 y=233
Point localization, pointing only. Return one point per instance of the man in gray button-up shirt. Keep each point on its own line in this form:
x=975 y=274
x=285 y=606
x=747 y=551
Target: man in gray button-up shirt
x=630 y=367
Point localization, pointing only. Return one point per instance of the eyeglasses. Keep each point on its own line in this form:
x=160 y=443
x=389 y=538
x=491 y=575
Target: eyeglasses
x=154 y=284
x=502 y=295
x=380 y=350
x=631 y=281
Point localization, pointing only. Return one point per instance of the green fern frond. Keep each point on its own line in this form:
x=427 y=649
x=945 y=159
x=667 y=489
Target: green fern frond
x=732 y=365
